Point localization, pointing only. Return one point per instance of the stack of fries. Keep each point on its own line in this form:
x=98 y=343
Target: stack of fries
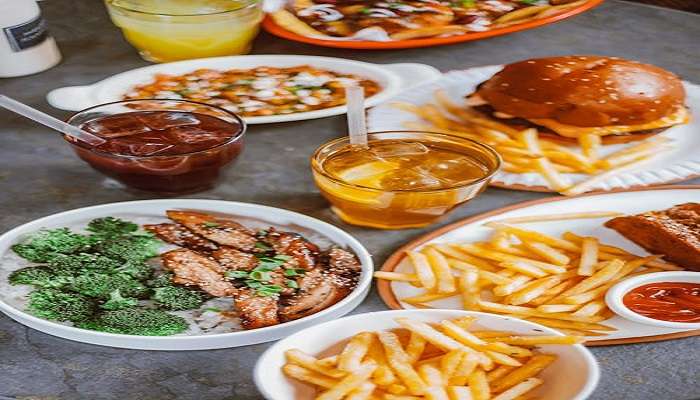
x=558 y=282
x=443 y=361
x=525 y=151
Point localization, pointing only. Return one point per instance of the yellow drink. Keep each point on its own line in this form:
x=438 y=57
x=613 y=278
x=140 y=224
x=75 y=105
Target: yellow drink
x=171 y=30
x=404 y=179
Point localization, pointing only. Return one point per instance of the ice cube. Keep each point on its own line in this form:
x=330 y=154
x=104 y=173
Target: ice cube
x=145 y=149
x=116 y=126
x=161 y=120
x=193 y=135
x=399 y=149
x=456 y=169
x=414 y=178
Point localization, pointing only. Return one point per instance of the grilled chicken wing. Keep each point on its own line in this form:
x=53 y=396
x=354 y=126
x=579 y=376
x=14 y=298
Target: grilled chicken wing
x=191 y=268
x=236 y=260
x=304 y=252
x=256 y=311
x=180 y=236
x=219 y=230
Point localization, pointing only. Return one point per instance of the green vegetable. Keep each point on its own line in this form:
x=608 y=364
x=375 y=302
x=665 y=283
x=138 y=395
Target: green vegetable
x=135 y=248
x=177 y=298
x=42 y=246
x=136 y=269
x=208 y=224
x=236 y=274
x=109 y=227
x=530 y=2
x=212 y=309
x=57 y=305
x=137 y=321
x=161 y=280
x=117 y=302
x=76 y=264
x=262 y=246
x=102 y=285
x=270 y=263
x=365 y=10
x=38 y=276
x=294 y=271
x=292 y=284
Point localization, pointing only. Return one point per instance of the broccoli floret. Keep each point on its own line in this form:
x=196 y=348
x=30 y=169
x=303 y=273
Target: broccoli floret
x=137 y=321
x=38 y=276
x=161 y=280
x=118 y=302
x=77 y=264
x=134 y=248
x=136 y=269
x=177 y=298
x=110 y=226
x=42 y=246
x=60 y=306
x=102 y=285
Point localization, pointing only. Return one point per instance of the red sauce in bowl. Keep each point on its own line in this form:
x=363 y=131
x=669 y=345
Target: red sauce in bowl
x=666 y=301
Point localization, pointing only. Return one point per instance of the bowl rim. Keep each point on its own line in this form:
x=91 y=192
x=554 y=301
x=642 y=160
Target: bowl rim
x=361 y=289
x=613 y=298
x=266 y=357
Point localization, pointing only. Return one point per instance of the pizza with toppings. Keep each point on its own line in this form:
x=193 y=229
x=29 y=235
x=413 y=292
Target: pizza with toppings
x=410 y=19
x=259 y=91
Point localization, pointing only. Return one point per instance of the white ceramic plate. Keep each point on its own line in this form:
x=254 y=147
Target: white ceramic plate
x=681 y=163
x=149 y=210
x=393 y=78
x=632 y=202
x=573 y=376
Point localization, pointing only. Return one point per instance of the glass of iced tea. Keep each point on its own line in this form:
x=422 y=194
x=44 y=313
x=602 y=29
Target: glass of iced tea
x=164 y=146
x=404 y=179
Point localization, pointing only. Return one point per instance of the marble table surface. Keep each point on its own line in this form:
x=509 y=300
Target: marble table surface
x=39 y=175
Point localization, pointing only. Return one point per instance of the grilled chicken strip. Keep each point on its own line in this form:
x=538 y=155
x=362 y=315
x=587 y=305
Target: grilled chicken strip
x=235 y=260
x=219 y=230
x=180 y=236
x=342 y=262
x=304 y=252
x=191 y=268
x=318 y=289
x=256 y=311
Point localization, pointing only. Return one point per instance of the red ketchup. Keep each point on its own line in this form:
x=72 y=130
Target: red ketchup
x=666 y=301
x=162 y=151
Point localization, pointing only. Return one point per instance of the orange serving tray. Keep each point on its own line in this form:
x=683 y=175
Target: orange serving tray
x=271 y=26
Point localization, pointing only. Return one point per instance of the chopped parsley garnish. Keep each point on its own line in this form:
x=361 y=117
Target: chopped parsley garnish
x=530 y=2
x=209 y=224
x=262 y=246
x=292 y=284
x=237 y=274
x=365 y=10
x=269 y=290
x=294 y=272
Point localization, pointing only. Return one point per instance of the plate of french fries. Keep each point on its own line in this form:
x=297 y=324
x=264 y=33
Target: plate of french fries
x=549 y=261
x=427 y=354
x=535 y=163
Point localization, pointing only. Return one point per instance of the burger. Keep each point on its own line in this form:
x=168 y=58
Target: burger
x=571 y=96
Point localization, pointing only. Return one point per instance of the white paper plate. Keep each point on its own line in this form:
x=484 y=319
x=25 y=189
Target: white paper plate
x=393 y=78
x=681 y=163
x=155 y=209
x=632 y=202
x=573 y=376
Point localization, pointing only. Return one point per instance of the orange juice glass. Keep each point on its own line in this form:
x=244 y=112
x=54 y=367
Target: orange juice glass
x=404 y=179
x=171 y=30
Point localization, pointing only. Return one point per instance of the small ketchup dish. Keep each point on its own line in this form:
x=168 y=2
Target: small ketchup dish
x=664 y=299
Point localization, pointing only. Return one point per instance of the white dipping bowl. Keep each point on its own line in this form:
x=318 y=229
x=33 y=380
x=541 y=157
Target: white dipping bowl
x=614 y=297
x=156 y=209
x=573 y=376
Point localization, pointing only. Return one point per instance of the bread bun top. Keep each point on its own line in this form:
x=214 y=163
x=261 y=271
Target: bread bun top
x=584 y=91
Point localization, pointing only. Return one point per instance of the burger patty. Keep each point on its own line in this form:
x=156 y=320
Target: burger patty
x=522 y=123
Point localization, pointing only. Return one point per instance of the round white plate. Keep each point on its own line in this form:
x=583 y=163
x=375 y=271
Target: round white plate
x=681 y=163
x=633 y=202
x=154 y=210
x=393 y=78
x=573 y=376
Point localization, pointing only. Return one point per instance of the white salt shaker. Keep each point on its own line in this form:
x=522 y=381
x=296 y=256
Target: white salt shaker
x=25 y=45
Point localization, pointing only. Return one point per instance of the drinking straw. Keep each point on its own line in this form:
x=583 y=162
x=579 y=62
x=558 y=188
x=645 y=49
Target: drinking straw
x=357 y=129
x=51 y=122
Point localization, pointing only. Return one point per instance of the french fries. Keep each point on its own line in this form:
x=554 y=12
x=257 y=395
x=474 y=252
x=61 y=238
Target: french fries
x=455 y=370
x=557 y=281
x=525 y=151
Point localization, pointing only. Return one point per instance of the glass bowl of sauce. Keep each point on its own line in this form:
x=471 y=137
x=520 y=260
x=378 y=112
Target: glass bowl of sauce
x=664 y=299
x=405 y=179
x=171 y=30
x=163 y=146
